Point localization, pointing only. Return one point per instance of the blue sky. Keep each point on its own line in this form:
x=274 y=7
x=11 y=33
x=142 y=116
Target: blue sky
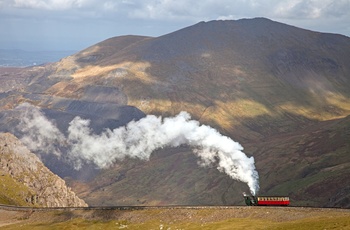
x=77 y=24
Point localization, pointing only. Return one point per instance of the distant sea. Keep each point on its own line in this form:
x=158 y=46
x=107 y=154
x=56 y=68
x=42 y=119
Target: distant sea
x=22 y=58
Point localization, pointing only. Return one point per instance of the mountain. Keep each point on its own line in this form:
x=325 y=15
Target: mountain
x=25 y=181
x=282 y=92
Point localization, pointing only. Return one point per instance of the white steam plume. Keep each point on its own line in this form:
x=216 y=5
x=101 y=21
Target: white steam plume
x=138 y=139
x=40 y=133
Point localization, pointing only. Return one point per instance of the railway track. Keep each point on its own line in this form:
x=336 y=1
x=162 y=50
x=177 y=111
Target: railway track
x=20 y=208
x=130 y=208
x=171 y=216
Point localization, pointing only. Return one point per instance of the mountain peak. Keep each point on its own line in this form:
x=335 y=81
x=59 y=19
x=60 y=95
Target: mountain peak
x=277 y=89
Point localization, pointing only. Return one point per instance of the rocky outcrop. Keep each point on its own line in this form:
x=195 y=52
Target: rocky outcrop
x=45 y=188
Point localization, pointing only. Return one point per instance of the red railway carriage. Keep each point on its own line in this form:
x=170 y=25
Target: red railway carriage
x=266 y=200
x=274 y=200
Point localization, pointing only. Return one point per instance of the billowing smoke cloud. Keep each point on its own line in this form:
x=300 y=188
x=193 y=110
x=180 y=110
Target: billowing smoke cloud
x=138 y=139
x=40 y=133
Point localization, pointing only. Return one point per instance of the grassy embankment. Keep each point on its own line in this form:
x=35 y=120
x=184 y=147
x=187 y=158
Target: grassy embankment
x=182 y=218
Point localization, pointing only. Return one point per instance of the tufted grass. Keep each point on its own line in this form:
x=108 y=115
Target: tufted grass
x=211 y=218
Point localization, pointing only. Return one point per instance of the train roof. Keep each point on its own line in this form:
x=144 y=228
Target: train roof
x=272 y=196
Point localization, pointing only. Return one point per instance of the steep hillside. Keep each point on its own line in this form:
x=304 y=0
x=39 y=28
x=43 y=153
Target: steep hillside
x=281 y=91
x=25 y=181
x=225 y=73
x=312 y=165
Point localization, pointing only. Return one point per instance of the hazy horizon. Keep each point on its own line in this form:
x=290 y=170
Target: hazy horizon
x=39 y=25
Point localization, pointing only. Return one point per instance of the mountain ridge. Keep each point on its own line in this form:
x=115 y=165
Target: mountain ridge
x=255 y=80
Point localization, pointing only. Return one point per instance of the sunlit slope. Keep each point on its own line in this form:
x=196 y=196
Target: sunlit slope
x=251 y=78
x=281 y=91
x=254 y=80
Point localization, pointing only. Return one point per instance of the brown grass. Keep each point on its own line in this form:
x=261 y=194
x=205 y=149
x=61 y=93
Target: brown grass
x=182 y=218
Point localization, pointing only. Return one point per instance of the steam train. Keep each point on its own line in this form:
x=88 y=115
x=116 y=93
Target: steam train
x=266 y=200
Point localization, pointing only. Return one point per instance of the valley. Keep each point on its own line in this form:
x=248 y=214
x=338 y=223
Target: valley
x=280 y=91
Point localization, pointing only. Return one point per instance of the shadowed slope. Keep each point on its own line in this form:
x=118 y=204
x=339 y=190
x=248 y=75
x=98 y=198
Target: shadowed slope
x=225 y=71
x=275 y=88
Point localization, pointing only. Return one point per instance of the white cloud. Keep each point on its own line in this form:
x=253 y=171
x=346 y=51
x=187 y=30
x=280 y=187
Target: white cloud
x=100 y=19
x=110 y=5
x=165 y=9
x=312 y=9
x=195 y=10
x=339 y=8
x=227 y=17
x=51 y=4
x=35 y=4
x=228 y=9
